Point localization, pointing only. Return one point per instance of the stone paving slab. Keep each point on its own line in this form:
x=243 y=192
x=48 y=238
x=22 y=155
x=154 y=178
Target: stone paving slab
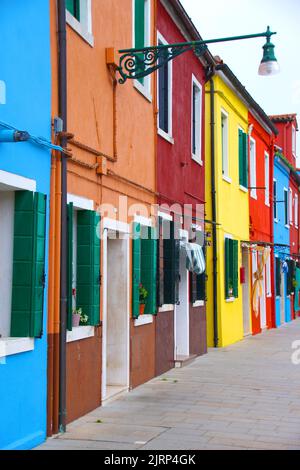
x=245 y=396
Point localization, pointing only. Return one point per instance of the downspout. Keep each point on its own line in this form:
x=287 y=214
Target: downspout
x=214 y=210
x=62 y=86
x=273 y=324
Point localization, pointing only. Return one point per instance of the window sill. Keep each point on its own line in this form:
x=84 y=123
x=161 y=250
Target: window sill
x=10 y=346
x=165 y=136
x=142 y=89
x=199 y=303
x=287 y=226
x=267 y=204
x=227 y=179
x=276 y=221
x=242 y=188
x=166 y=308
x=143 y=320
x=80 y=332
x=230 y=300
x=253 y=196
x=197 y=159
x=79 y=29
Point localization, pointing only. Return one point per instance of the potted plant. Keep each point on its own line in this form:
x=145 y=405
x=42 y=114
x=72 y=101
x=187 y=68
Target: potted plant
x=230 y=290
x=143 y=297
x=76 y=315
x=83 y=319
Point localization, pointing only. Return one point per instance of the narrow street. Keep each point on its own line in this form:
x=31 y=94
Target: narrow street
x=246 y=396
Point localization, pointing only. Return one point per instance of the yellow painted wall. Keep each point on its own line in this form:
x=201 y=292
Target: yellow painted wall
x=232 y=210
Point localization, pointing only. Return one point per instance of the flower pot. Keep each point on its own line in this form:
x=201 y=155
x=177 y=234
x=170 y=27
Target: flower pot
x=142 y=309
x=75 y=319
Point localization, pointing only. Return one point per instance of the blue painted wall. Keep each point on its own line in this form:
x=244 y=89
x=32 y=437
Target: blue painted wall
x=26 y=69
x=281 y=232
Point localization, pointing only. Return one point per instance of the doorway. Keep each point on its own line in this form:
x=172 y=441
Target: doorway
x=282 y=298
x=115 y=349
x=246 y=293
x=262 y=301
x=182 y=324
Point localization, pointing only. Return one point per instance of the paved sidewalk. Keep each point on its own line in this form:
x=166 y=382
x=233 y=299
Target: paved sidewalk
x=246 y=396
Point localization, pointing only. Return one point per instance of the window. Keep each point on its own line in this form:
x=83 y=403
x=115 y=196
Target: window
x=142 y=31
x=286 y=207
x=296 y=208
x=83 y=265
x=196 y=120
x=294 y=141
x=267 y=179
x=79 y=17
x=165 y=96
x=243 y=159
x=275 y=199
x=231 y=268
x=253 y=168
x=224 y=139
x=291 y=206
x=168 y=264
x=22 y=258
x=144 y=268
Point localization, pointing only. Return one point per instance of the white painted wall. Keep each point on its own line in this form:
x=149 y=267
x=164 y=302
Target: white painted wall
x=7 y=199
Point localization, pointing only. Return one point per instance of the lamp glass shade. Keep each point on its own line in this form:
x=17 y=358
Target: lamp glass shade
x=270 y=67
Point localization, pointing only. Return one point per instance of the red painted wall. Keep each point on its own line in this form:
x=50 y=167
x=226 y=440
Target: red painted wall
x=294 y=232
x=284 y=139
x=179 y=178
x=261 y=215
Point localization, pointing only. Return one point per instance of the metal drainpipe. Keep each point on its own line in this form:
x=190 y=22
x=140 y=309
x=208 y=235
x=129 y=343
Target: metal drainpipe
x=62 y=72
x=214 y=210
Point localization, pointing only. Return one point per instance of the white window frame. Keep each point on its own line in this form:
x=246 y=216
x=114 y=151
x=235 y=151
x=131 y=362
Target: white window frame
x=296 y=210
x=225 y=161
x=253 y=192
x=275 y=209
x=145 y=88
x=286 y=214
x=267 y=179
x=84 y=26
x=9 y=345
x=166 y=135
x=197 y=157
x=290 y=206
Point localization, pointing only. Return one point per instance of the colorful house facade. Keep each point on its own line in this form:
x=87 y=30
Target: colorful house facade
x=25 y=99
x=181 y=319
x=262 y=133
x=287 y=210
x=111 y=182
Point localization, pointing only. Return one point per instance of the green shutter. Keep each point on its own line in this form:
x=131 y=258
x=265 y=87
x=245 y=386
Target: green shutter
x=73 y=6
x=227 y=267
x=28 y=264
x=148 y=267
x=235 y=268
x=241 y=158
x=245 y=152
x=136 y=269
x=70 y=266
x=139 y=28
x=290 y=277
x=88 y=265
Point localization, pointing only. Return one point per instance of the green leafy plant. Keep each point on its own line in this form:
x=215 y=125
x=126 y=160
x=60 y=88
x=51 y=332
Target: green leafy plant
x=143 y=294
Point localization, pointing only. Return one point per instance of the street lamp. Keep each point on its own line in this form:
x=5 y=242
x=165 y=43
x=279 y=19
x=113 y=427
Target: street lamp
x=269 y=64
x=138 y=63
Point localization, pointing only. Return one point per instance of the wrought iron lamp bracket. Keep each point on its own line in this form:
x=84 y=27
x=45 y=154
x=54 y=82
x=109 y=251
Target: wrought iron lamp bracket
x=139 y=63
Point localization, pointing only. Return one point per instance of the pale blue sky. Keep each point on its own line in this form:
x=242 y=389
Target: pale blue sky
x=278 y=94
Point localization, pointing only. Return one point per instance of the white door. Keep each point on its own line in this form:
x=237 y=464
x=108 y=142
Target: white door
x=263 y=312
x=181 y=324
x=282 y=299
x=245 y=289
x=115 y=342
